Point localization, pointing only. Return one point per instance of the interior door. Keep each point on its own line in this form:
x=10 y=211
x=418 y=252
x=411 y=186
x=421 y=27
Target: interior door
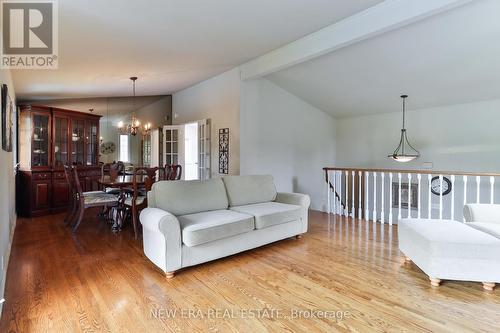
x=173 y=144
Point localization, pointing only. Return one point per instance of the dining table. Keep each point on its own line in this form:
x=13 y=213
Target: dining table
x=121 y=181
x=124 y=183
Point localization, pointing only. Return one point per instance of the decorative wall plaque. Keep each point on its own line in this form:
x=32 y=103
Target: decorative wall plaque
x=224 y=151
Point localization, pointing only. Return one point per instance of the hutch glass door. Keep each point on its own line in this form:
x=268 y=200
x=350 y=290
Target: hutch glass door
x=61 y=146
x=77 y=141
x=92 y=143
x=40 y=140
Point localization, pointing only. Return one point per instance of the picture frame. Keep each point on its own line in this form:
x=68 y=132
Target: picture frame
x=404 y=195
x=7 y=115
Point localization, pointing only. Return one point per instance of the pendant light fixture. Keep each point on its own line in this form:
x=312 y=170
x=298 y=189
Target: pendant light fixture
x=134 y=125
x=405 y=151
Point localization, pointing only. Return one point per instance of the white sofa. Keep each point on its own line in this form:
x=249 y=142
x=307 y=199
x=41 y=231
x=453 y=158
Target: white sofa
x=192 y=222
x=483 y=217
x=451 y=250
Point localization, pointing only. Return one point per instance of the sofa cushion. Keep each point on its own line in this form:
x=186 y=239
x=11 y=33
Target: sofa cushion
x=189 y=197
x=206 y=227
x=489 y=228
x=270 y=213
x=246 y=190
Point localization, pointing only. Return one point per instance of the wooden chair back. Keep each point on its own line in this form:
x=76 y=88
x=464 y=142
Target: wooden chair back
x=149 y=175
x=73 y=181
x=172 y=172
x=113 y=169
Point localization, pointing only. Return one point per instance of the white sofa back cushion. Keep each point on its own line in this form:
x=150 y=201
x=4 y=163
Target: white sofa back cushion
x=190 y=197
x=485 y=213
x=247 y=190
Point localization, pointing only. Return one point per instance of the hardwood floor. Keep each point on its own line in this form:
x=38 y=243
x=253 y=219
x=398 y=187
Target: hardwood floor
x=100 y=281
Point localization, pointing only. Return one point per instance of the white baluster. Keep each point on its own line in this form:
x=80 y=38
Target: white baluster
x=328 y=203
x=429 y=214
x=367 y=187
x=399 y=197
x=382 y=203
x=374 y=197
x=478 y=181
x=452 y=215
x=492 y=189
x=334 y=190
x=419 y=177
x=390 y=198
x=360 y=210
x=441 y=197
x=346 y=184
x=465 y=191
x=353 y=210
x=409 y=195
x=341 y=209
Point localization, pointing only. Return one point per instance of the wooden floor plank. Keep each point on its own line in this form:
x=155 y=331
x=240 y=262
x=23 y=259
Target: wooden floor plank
x=98 y=281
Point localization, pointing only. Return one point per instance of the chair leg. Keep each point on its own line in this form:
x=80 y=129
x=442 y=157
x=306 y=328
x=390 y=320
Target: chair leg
x=71 y=214
x=489 y=286
x=81 y=210
x=435 y=282
x=134 y=221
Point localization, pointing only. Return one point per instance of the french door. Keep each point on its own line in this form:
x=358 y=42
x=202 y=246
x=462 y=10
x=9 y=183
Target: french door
x=189 y=146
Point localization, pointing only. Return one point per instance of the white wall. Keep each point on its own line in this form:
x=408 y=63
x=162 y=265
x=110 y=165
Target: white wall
x=217 y=99
x=284 y=136
x=7 y=197
x=461 y=137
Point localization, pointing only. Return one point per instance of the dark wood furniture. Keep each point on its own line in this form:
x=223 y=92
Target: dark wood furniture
x=50 y=138
x=113 y=170
x=172 y=172
x=139 y=200
x=83 y=200
x=123 y=181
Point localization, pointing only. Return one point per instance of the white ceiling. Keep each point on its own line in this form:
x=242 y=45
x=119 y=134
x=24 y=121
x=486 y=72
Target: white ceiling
x=169 y=44
x=450 y=58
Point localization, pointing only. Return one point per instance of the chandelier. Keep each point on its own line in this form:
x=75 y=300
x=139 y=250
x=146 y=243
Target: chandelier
x=135 y=125
x=405 y=151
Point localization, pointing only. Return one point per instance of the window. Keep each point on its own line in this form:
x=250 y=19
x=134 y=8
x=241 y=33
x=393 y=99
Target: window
x=124 y=148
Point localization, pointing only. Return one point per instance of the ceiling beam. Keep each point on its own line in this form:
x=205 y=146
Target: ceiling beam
x=383 y=17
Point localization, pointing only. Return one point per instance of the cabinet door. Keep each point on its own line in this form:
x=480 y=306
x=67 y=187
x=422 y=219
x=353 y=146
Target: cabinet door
x=77 y=141
x=40 y=157
x=41 y=195
x=60 y=193
x=61 y=141
x=92 y=142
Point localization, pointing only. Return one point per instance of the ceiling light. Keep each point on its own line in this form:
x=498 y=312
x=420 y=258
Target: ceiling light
x=405 y=151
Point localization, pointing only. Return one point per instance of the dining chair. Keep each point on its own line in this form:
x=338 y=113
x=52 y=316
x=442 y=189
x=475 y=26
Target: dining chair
x=83 y=200
x=143 y=180
x=114 y=170
x=73 y=205
x=172 y=172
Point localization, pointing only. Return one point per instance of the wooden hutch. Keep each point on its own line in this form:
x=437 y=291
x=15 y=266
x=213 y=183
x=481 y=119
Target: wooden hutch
x=49 y=138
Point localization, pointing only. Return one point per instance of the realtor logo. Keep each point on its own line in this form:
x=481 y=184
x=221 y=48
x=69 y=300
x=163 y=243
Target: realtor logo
x=29 y=34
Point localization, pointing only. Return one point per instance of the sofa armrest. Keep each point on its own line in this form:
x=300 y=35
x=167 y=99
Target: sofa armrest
x=162 y=238
x=298 y=199
x=485 y=213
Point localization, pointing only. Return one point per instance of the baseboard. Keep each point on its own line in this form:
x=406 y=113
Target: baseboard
x=6 y=263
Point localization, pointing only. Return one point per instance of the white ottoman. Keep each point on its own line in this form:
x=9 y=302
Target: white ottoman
x=450 y=250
